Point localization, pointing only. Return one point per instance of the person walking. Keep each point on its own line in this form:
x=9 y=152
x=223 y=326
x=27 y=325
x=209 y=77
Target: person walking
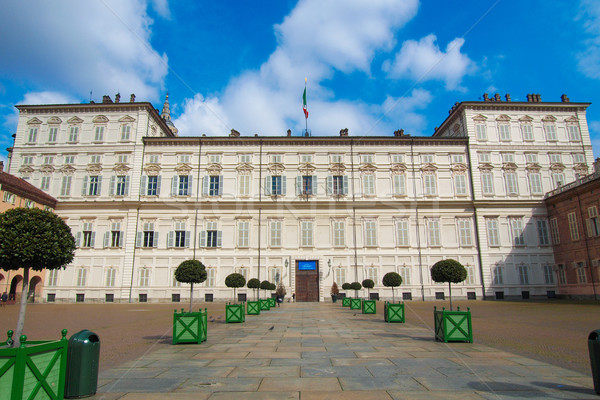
x=4 y=299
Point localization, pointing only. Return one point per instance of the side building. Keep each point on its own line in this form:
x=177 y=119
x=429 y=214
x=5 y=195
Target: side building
x=304 y=211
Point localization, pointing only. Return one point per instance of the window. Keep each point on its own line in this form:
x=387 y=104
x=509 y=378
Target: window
x=81 y=277
x=69 y=159
x=531 y=158
x=275 y=229
x=246 y=158
x=99 y=136
x=144 y=278
x=458 y=158
x=73 y=134
x=562 y=274
x=368 y=185
x=481 y=132
x=52 y=134
x=119 y=185
x=92 y=184
x=148 y=237
x=372 y=274
x=181 y=185
x=125 y=132
x=212 y=185
x=460 y=184
x=574 y=135
x=111 y=275
x=95 y=159
x=487 y=182
x=543 y=236
x=399 y=184
x=535 y=183
x=152 y=185
x=65 y=186
x=527 y=132
x=370 y=233
x=275 y=275
x=122 y=158
x=498 y=273
x=337 y=158
x=554 y=231
x=306 y=185
x=573 y=228
x=244 y=185
x=340 y=276
x=32 y=135
x=212 y=237
x=485 y=157
x=550 y=130
x=558 y=178
x=184 y=158
x=402 y=238
x=29 y=204
x=243 y=232
x=115 y=237
x=179 y=237
x=367 y=158
x=306 y=233
x=337 y=185
x=516 y=227
x=404 y=272
x=153 y=158
x=548 y=275
x=45 y=183
x=555 y=158
x=580 y=268
x=427 y=159
x=578 y=158
x=508 y=158
x=276 y=158
x=48 y=160
x=511 y=183
x=429 y=181
x=244 y=272
x=339 y=233
x=523 y=275
x=464 y=232
x=504 y=132
x=87 y=235
x=398 y=158
x=275 y=185
x=214 y=158
x=433 y=228
x=211 y=274
x=27 y=160
x=470 y=280
x=52 y=277
x=593 y=225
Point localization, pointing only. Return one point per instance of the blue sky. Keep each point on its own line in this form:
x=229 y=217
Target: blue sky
x=372 y=66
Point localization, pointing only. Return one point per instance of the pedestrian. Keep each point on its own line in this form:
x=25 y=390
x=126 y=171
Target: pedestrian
x=293 y=297
x=279 y=301
x=4 y=298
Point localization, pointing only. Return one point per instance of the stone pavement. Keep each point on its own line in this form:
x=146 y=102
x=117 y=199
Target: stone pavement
x=315 y=351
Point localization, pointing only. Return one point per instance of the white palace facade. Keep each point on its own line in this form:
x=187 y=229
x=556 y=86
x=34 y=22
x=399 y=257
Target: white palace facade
x=140 y=199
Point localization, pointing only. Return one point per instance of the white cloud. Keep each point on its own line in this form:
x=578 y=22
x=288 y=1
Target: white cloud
x=424 y=61
x=60 y=46
x=589 y=59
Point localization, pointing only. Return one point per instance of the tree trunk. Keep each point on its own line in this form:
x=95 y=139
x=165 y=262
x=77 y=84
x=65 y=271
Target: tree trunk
x=393 y=301
x=22 y=308
x=450 y=290
x=191 y=295
x=234 y=297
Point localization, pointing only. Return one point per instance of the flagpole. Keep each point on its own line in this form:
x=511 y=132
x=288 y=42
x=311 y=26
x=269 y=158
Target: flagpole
x=306 y=115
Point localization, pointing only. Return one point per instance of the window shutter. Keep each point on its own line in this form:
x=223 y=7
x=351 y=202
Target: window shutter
x=158 y=179
x=121 y=238
x=202 y=239
x=143 y=185
x=345 y=184
x=93 y=239
x=314 y=185
x=170 y=239
x=99 y=186
x=329 y=185
x=219 y=238
x=205 y=183
x=106 y=239
x=298 y=185
x=111 y=186
x=588 y=222
x=78 y=239
x=190 y=185
x=220 y=192
x=155 y=241
x=84 y=187
x=138 y=239
x=174 y=182
x=127 y=185
x=188 y=236
x=268 y=185
x=283 y=185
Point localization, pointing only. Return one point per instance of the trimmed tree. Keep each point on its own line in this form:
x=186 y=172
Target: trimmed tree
x=191 y=271
x=335 y=290
x=369 y=284
x=235 y=281
x=265 y=285
x=356 y=286
x=31 y=238
x=254 y=284
x=346 y=287
x=392 y=279
x=450 y=271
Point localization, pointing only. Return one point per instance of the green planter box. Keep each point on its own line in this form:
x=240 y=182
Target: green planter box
x=393 y=312
x=253 y=308
x=234 y=313
x=453 y=326
x=355 y=304
x=272 y=302
x=190 y=327
x=369 y=307
x=36 y=370
x=346 y=301
x=265 y=304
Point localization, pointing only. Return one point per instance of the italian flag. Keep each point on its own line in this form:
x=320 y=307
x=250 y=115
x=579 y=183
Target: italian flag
x=304 y=104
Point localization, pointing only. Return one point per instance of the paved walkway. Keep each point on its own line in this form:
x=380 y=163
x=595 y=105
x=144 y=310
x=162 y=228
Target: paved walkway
x=314 y=351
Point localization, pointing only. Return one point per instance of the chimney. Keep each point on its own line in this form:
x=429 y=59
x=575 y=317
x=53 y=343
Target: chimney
x=485 y=97
x=564 y=98
x=234 y=133
x=497 y=97
x=289 y=132
x=344 y=132
x=118 y=98
x=106 y=99
x=538 y=98
x=132 y=98
x=399 y=132
x=597 y=165
x=1 y=166
x=529 y=97
x=507 y=96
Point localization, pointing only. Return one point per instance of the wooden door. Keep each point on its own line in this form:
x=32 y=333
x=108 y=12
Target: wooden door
x=307 y=280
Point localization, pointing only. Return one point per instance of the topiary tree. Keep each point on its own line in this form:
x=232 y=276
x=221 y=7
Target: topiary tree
x=272 y=286
x=392 y=279
x=335 y=290
x=450 y=271
x=369 y=284
x=265 y=285
x=254 y=284
x=31 y=238
x=235 y=281
x=346 y=287
x=356 y=286
x=191 y=271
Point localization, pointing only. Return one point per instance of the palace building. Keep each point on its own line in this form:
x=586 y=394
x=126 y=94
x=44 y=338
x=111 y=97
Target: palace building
x=140 y=199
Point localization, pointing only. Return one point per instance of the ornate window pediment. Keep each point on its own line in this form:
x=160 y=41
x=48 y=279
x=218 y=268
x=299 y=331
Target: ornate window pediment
x=486 y=167
x=509 y=166
x=47 y=169
x=337 y=169
x=26 y=170
x=480 y=117
x=54 y=120
x=183 y=169
x=67 y=170
x=367 y=169
x=100 y=119
x=429 y=169
x=572 y=120
x=503 y=118
x=152 y=169
x=459 y=168
x=276 y=169
x=526 y=118
x=127 y=118
x=214 y=169
x=549 y=118
x=94 y=168
x=557 y=167
x=75 y=120
x=533 y=167
x=121 y=168
x=34 y=121
x=398 y=169
x=307 y=169
x=244 y=169
x=580 y=169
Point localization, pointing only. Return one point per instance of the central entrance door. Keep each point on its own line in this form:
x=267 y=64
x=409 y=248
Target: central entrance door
x=307 y=280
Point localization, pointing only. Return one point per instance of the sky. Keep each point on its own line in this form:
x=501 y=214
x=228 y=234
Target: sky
x=372 y=66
